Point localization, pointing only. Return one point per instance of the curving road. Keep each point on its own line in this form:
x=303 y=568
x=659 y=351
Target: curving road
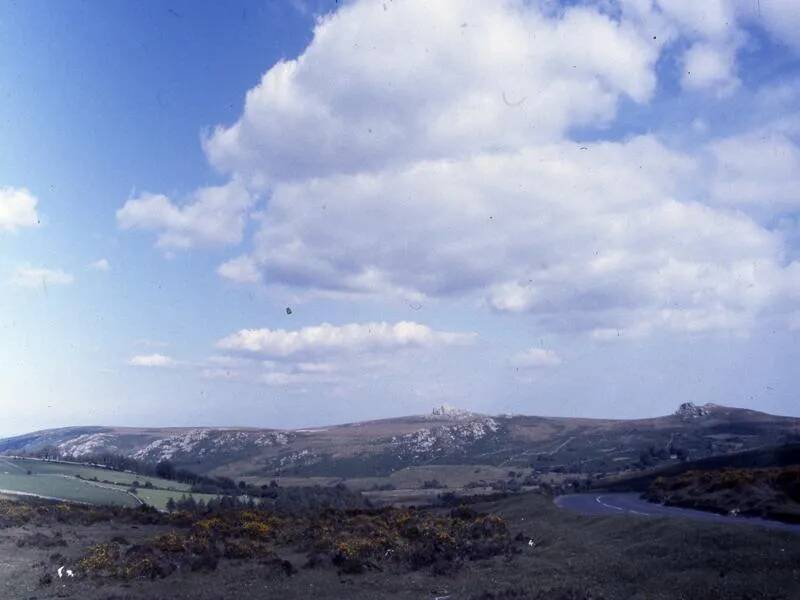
x=632 y=504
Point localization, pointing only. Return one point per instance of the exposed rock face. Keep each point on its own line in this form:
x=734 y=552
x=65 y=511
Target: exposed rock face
x=88 y=443
x=446 y=435
x=199 y=443
x=450 y=412
x=689 y=410
x=444 y=439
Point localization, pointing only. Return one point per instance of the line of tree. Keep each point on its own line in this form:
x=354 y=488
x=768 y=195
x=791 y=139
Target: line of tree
x=285 y=499
x=300 y=500
x=163 y=469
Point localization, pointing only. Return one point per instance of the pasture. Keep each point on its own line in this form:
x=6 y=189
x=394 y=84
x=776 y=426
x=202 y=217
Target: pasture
x=64 y=488
x=86 y=484
x=41 y=467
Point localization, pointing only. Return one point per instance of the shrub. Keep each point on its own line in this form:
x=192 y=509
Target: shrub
x=169 y=542
x=100 y=560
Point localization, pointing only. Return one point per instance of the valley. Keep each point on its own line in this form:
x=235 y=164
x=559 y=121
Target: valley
x=450 y=505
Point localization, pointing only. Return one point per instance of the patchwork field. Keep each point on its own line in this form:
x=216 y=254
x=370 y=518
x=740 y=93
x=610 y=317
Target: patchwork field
x=43 y=467
x=64 y=488
x=89 y=485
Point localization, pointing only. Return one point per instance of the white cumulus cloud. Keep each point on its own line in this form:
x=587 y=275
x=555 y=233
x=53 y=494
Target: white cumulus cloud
x=17 y=209
x=710 y=66
x=214 y=215
x=100 y=264
x=582 y=237
x=536 y=358
x=779 y=17
x=242 y=269
x=758 y=171
x=473 y=76
x=152 y=360
x=327 y=339
x=438 y=163
x=32 y=277
x=444 y=170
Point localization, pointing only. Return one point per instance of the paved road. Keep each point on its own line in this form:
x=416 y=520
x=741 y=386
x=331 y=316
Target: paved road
x=632 y=504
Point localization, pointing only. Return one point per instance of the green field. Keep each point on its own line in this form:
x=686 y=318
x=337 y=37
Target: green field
x=38 y=467
x=91 y=485
x=64 y=488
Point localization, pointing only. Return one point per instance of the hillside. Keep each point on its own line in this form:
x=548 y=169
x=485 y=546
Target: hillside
x=757 y=458
x=772 y=493
x=375 y=449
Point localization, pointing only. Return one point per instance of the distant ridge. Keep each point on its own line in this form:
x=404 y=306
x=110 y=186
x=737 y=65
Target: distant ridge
x=447 y=435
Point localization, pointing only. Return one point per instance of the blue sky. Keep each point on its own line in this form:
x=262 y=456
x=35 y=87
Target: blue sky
x=512 y=207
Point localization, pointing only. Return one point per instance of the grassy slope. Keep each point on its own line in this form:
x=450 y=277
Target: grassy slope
x=58 y=480
x=359 y=450
x=363 y=450
x=87 y=472
x=66 y=488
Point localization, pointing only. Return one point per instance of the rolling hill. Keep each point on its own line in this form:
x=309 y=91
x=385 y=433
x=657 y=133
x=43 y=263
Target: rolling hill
x=445 y=437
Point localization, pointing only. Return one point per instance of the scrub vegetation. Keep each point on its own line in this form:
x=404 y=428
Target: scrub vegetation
x=773 y=493
x=518 y=546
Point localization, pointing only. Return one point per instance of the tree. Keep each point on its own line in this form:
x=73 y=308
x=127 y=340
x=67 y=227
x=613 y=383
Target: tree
x=171 y=504
x=187 y=503
x=165 y=469
x=50 y=453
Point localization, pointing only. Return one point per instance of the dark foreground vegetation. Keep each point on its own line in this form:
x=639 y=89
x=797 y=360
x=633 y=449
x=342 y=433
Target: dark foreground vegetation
x=519 y=546
x=196 y=537
x=772 y=493
x=783 y=455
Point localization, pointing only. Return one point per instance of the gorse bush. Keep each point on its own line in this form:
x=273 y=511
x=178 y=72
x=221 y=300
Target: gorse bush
x=352 y=541
x=770 y=492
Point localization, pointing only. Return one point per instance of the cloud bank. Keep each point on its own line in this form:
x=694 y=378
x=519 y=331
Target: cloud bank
x=442 y=161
